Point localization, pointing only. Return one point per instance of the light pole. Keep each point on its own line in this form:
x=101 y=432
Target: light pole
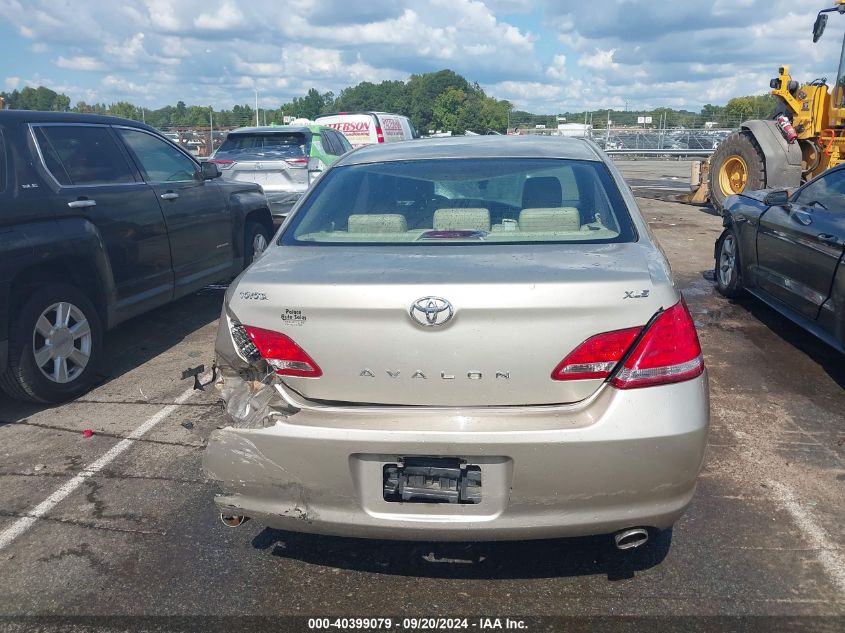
x=210 y=130
x=256 y=108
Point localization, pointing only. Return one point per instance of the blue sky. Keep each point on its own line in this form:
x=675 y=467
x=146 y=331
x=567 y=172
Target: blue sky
x=545 y=56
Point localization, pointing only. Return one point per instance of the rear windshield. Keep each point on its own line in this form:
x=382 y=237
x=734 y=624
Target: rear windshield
x=273 y=145
x=463 y=200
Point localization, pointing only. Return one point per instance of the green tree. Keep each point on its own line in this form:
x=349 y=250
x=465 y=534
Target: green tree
x=40 y=98
x=125 y=110
x=712 y=112
x=740 y=109
x=241 y=115
x=422 y=90
x=312 y=104
x=446 y=111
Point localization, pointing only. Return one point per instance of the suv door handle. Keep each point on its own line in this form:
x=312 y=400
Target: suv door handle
x=827 y=238
x=170 y=195
x=82 y=203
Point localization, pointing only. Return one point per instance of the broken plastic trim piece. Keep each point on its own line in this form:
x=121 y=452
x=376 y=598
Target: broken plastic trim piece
x=251 y=402
x=195 y=373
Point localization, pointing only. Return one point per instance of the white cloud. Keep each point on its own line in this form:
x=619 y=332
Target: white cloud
x=282 y=45
x=12 y=83
x=163 y=14
x=79 y=62
x=658 y=52
x=525 y=89
x=123 y=85
x=599 y=60
x=227 y=17
x=557 y=70
x=509 y=6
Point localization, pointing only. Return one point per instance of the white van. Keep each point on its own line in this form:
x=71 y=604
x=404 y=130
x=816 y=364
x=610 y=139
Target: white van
x=365 y=128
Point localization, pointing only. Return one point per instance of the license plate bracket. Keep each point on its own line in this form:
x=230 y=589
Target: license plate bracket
x=431 y=480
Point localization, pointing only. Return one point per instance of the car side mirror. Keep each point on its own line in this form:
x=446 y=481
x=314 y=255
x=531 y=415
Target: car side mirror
x=819 y=26
x=209 y=171
x=779 y=198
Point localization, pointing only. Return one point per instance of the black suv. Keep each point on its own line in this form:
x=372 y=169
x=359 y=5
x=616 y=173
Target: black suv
x=102 y=219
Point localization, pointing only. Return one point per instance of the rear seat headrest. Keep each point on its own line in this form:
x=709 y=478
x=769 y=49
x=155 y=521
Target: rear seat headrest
x=541 y=192
x=550 y=219
x=469 y=219
x=377 y=223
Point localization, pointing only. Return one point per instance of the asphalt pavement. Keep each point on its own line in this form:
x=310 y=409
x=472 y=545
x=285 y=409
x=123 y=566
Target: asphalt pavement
x=122 y=523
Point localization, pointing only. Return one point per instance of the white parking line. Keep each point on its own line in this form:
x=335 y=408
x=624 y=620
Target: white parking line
x=828 y=553
x=24 y=523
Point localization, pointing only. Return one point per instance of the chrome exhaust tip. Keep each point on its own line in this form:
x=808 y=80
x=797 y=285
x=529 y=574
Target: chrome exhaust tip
x=630 y=538
x=232 y=520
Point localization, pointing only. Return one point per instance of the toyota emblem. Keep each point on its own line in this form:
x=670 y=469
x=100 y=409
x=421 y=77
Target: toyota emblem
x=432 y=311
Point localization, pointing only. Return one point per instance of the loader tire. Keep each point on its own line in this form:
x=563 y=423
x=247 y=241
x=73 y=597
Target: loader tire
x=738 y=165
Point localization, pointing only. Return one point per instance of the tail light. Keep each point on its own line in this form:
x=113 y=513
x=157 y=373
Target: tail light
x=297 y=162
x=282 y=354
x=222 y=163
x=597 y=356
x=667 y=352
x=379 y=134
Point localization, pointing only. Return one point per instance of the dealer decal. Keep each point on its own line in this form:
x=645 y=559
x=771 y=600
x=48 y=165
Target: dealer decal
x=293 y=317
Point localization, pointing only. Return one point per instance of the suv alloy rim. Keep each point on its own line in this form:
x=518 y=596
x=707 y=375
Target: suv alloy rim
x=259 y=243
x=61 y=342
x=727 y=260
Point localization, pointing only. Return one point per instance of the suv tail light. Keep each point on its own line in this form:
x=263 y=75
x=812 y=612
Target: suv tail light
x=297 y=162
x=282 y=354
x=222 y=163
x=668 y=351
x=379 y=134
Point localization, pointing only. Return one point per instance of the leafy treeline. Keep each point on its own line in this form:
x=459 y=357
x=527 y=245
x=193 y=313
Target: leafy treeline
x=440 y=100
x=727 y=116
x=40 y=98
x=434 y=101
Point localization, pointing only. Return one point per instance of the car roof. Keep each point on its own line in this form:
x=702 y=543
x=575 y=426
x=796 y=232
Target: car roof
x=279 y=129
x=38 y=116
x=475 y=147
x=361 y=112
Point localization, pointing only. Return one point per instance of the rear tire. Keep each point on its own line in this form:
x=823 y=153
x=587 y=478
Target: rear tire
x=256 y=239
x=727 y=268
x=55 y=344
x=738 y=165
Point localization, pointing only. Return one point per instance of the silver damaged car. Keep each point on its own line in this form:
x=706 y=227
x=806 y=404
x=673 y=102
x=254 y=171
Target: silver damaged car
x=461 y=339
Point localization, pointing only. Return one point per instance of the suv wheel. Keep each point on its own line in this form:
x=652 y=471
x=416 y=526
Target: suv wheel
x=54 y=346
x=256 y=239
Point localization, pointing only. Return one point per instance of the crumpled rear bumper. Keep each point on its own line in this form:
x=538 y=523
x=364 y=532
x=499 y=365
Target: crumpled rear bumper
x=620 y=459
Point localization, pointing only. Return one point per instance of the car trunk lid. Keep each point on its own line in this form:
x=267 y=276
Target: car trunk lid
x=516 y=314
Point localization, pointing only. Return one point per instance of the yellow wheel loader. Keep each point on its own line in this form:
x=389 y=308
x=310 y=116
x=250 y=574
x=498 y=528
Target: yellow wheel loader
x=805 y=137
